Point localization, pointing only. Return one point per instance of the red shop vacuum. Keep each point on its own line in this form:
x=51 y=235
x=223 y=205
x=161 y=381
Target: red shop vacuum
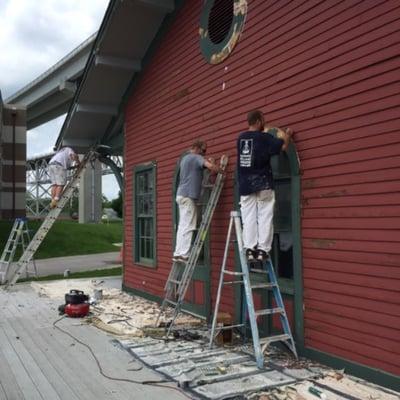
x=76 y=304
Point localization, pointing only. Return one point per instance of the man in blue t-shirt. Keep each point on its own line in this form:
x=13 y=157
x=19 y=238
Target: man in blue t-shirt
x=257 y=198
x=190 y=180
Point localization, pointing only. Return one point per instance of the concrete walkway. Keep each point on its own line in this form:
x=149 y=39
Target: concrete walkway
x=58 y=265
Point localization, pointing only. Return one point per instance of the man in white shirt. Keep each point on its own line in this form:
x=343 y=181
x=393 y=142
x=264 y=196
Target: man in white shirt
x=57 y=170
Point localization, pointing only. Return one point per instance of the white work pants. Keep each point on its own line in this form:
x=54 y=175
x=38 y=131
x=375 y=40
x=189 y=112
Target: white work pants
x=186 y=226
x=257 y=211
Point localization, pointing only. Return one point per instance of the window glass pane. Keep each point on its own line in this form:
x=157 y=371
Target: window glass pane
x=282 y=249
x=142 y=248
x=141 y=227
x=283 y=206
x=148 y=244
x=285 y=262
x=280 y=165
x=145 y=210
x=150 y=182
x=140 y=205
x=146 y=182
x=141 y=183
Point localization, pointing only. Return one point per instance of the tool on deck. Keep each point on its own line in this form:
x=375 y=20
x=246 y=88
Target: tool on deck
x=49 y=221
x=178 y=282
x=243 y=277
x=19 y=236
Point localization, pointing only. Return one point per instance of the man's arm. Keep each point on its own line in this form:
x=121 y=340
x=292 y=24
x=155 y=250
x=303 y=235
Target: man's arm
x=209 y=163
x=286 y=136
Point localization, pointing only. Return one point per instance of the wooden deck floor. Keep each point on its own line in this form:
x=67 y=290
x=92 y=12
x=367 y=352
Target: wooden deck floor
x=37 y=361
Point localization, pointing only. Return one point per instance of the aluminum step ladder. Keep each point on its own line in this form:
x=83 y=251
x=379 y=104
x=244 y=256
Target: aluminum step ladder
x=243 y=278
x=178 y=282
x=19 y=236
x=49 y=220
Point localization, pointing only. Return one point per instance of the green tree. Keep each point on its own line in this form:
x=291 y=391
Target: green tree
x=105 y=202
x=117 y=204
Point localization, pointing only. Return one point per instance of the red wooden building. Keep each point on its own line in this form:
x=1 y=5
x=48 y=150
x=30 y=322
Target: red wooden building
x=330 y=71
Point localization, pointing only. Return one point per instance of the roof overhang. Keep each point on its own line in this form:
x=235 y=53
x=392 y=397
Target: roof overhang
x=95 y=114
x=50 y=94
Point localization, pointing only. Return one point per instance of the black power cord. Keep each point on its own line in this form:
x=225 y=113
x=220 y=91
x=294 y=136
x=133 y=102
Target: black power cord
x=150 y=383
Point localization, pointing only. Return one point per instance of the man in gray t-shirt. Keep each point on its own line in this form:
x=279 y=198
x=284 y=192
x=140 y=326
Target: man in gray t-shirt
x=191 y=175
x=190 y=179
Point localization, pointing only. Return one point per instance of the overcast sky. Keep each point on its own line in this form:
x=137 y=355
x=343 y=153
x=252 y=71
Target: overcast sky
x=34 y=35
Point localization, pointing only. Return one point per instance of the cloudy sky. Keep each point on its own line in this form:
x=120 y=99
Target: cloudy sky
x=34 y=35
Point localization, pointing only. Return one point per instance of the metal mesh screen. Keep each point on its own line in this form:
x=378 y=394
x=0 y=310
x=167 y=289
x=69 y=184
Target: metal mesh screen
x=220 y=20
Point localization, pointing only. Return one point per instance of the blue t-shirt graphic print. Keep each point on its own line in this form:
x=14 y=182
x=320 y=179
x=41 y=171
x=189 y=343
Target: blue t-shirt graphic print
x=246 y=152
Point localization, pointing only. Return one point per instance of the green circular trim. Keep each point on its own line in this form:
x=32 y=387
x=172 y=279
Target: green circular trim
x=216 y=53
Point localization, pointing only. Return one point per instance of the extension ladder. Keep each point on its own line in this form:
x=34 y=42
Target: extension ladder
x=176 y=285
x=19 y=235
x=243 y=277
x=49 y=220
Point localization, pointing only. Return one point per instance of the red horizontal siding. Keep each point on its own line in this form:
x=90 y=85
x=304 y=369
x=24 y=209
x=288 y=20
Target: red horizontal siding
x=330 y=70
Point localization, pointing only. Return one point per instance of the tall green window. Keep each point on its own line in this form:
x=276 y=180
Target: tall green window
x=145 y=214
x=282 y=248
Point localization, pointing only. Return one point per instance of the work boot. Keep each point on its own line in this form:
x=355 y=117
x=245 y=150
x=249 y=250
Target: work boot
x=262 y=255
x=250 y=255
x=182 y=259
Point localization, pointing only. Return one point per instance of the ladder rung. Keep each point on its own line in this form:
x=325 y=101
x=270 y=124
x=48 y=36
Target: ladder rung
x=269 y=311
x=225 y=327
x=231 y=282
x=181 y=262
x=275 y=338
x=263 y=285
x=174 y=281
x=233 y=273
x=258 y=271
x=208 y=185
x=170 y=302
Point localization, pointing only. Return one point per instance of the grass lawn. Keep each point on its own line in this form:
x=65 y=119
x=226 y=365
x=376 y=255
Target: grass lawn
x=68 y=238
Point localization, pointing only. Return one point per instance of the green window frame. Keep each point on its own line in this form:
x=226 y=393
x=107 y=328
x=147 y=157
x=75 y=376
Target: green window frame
x=282 y=246
x=144 y=195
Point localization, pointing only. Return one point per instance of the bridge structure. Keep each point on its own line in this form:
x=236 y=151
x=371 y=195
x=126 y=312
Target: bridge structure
x=38 y=186
x=91 y=85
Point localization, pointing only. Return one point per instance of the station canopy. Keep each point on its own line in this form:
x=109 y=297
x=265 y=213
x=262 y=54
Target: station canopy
x=119 y=53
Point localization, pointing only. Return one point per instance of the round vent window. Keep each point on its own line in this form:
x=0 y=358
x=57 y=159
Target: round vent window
x=220 y=26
